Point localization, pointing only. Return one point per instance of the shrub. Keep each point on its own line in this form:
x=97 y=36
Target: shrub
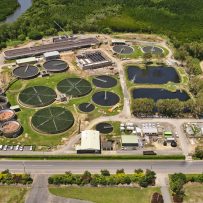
x=143 y=182
x=199 y=152
x=35 y=35
x=139 y=170
x=86 y=177
x=105 y=172
x=150 y=176
x=120 y=171
x=5 y=172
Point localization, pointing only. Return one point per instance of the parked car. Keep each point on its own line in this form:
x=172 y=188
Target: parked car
x=21 y=148
x=17 y=147
x=31 y=148
x=11 y=147
x=1 y=147
x=5 y=147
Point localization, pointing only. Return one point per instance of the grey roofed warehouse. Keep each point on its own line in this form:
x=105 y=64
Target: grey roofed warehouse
x=60 y=46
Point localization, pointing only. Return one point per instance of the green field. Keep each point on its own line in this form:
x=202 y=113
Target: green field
x=11 y=194
x=106 y=195
x=193 y=193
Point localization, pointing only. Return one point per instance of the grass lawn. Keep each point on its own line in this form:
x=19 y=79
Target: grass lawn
x=106 y=195
x=10 y=194
x=193 y=193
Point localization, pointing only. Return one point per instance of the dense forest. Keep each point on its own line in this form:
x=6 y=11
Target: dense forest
x=181 y=21
x=7 y=7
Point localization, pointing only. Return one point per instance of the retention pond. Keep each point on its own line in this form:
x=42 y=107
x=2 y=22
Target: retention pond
x=158 y=93
x=152 y=74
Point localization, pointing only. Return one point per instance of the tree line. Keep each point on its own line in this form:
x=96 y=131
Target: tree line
x=167 y=107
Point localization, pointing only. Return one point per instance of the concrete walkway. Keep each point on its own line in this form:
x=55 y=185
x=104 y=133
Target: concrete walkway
x=163 y=182
x=40 y=193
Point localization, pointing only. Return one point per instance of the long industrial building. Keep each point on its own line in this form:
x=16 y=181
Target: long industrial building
x=59 y=46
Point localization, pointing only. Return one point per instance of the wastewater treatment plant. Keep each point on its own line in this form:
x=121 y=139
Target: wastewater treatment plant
x=53 y=96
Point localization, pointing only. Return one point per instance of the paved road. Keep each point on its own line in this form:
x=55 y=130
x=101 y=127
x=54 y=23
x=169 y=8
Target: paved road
x=54 y=167
x=40 y=193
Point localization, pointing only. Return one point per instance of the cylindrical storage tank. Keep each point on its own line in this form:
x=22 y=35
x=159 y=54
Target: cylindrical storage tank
x=11 y=129
x=6 y=115
x=3 y=102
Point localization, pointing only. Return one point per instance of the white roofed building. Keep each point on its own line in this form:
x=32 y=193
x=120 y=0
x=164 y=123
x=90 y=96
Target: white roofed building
x=26 y=60
x=90 y=142
x=51 y=55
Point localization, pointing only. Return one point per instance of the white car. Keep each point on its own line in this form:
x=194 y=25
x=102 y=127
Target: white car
x=17 y=147
x=31 y=148
x=21 y=148
x=1 y=147
x=5 y=147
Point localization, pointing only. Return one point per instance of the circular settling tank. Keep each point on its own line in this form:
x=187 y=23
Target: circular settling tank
x=86 y=107
x=37 y=96
x=104 y=128
x=123 y=49
x=56 y=66
x=6 y=115
x=52 y=120
x=75 y=87
x=152 y=50
x=105 y=98
x=26 y=71
x=104 y=81
x=11 y=129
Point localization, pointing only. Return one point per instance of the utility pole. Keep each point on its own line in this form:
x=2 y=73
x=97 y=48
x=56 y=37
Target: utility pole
x=24 y=167
x=61 y=28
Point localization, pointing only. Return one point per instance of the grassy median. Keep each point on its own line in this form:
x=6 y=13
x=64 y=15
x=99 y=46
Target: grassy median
x=106 y=195
x=11 y=194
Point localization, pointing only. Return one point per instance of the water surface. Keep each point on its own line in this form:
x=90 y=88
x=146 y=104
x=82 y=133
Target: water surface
x=24 y=6
x=152 y=75
x=158 y=93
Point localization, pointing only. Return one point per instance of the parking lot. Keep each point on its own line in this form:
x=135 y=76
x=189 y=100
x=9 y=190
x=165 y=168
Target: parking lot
x=16 y=148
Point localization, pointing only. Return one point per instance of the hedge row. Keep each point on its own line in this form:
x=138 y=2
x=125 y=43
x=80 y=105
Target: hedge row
x=195 y=178
x=143 y=179
x=94 y=157
x=7 y=178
